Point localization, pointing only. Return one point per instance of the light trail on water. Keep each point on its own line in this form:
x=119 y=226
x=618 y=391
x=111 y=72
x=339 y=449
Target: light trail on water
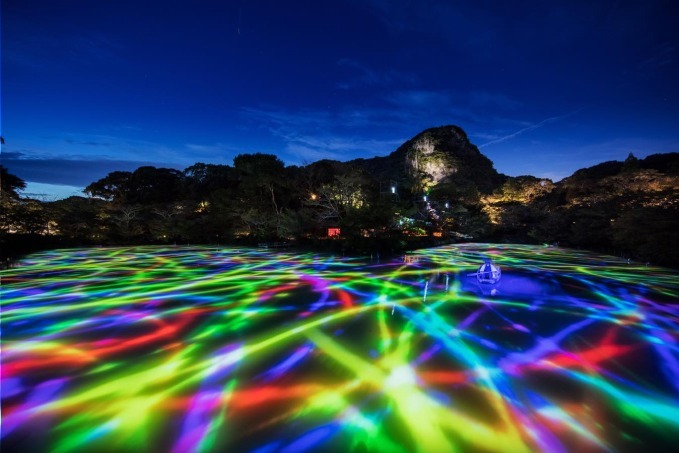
x=213 y=349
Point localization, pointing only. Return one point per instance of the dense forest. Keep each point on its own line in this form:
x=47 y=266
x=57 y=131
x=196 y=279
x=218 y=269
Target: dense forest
x=435 y=188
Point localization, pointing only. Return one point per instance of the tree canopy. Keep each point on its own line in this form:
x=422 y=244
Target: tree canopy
x=10 y=184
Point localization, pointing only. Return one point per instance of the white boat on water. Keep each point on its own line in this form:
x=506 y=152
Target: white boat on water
x=488 y=273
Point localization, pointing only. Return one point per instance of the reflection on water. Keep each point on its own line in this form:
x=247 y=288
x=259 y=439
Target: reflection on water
x=204 y=349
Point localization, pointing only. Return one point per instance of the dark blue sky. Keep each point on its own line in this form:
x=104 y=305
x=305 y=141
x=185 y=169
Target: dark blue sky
x=542 y=87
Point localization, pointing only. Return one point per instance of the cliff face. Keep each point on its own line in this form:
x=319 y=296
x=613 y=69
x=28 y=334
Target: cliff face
x=440 y=155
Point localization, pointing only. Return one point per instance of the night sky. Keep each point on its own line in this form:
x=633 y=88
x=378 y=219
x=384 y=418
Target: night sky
x=542 y=88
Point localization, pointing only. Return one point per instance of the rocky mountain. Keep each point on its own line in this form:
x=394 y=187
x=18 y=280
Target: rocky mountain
x=437 y=156
x=629 y=207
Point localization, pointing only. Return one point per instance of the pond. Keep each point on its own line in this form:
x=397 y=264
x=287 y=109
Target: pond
x=219 y=349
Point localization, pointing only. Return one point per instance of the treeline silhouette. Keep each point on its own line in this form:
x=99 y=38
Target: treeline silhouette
x=625 y=208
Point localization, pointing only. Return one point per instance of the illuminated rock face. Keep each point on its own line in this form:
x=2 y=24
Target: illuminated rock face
x=434 y=156
x=444 y=154
x=424 y=160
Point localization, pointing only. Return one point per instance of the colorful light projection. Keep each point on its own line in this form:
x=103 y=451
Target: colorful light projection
x=204 y=349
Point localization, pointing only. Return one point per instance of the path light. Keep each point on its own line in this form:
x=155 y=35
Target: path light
x=393 y=189
x=425 y=198
x=446 y=205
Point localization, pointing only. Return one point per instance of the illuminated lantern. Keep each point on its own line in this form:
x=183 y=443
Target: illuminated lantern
x=488 y=272
x=333 y=232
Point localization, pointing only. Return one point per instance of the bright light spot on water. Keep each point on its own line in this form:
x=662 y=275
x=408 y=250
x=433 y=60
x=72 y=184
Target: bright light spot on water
x=400 y=377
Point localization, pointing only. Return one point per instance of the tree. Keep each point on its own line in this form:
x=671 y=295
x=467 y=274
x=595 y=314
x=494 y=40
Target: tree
x=261 y=180
x=649 y=234
x=202 y=180
x=334 y=201
x=127 y=219
x=10 y=202
x=631 y=164
x=150 y=185
x=29 y=216
x=10 y=183
x=113 y=187
x=79 y=217
x=167 y=221
x=590 y=227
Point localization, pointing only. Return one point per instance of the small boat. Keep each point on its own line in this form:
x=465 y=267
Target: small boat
x=488 y=273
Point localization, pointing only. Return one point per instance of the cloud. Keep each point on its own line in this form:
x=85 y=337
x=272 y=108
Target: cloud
x=88 y=143
x=663 y=54
x=50 y=192
x=68 y=172
x=282 y=122
x=308 y=148
x=37 y=49
x=368 y=77
x=407 y=110
x=213 y=152
x=467 y=28
x=112 y=147
x=309 y=135
x=303 y=155
x=504 y=31
x=528 y=128
x=461 y=108
x=419 y=98
x=11 y=155
x=311 y=148
x=487 y=99
x=350 y=132
x=278 y=117
x=484 y=136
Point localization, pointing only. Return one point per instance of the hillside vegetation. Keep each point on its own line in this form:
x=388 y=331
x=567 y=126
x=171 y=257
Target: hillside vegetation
x=435 y=188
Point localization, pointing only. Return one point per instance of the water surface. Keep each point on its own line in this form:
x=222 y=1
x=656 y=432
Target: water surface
x=212 y=349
